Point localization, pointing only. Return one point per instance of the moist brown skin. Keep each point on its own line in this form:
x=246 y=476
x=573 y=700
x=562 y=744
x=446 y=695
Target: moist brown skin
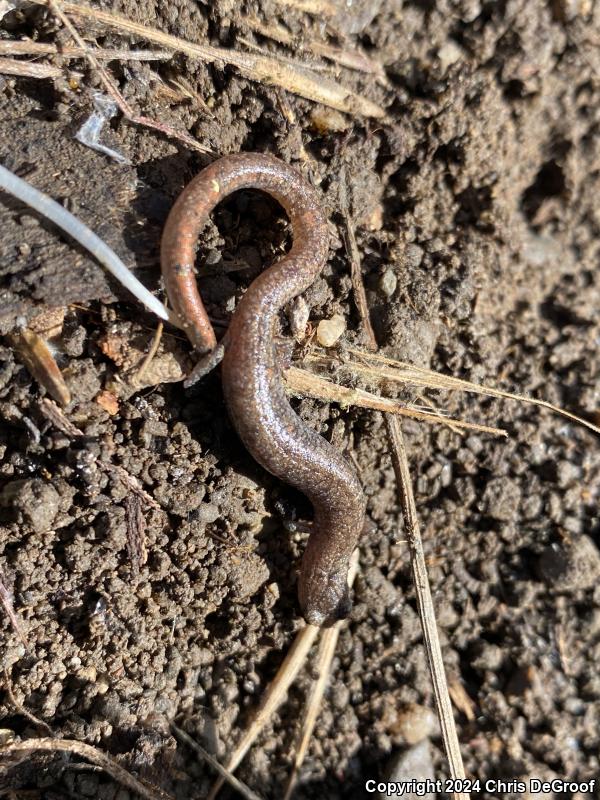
x=252 y=373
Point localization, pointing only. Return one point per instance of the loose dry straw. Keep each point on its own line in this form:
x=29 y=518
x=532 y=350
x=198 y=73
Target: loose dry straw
x=25 y=47
x=274 y=695
x=279 y=686
x=419 y=376
x=28 y=69
x=425 y=602
x=301 y=382
x=264 y=69
x=351 y=59
x=327 y=647
x=228 y=776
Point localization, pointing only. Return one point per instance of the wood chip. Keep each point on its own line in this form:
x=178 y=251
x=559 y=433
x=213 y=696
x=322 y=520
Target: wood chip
x=108 y=401
x=37 y=357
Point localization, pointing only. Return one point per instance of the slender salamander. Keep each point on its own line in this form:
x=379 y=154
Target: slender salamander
x=251 y=371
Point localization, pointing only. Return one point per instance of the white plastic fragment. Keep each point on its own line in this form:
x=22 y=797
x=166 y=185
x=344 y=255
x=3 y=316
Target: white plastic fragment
x=50 y=209
x=89 y=133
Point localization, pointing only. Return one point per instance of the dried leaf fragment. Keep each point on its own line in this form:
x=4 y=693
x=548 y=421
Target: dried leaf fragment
x=37 y=357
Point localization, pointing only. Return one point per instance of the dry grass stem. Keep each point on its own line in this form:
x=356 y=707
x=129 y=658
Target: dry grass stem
x=427 y=378
x=90 y=753
x=261 y=68
x=351 y=59
x=325 y=655
x=7 y=604
x=25 y=47
x=425 y=602
x=39 y=723
x=136 y=532
x=360 y=295
x=137 y=379
x=283 y=59
x=427 y=403
x=111 y=88
x=27 y=69
x=316 y=7
x=301 y=382
x=272 y=698
x=238 y=785
x=58 y=418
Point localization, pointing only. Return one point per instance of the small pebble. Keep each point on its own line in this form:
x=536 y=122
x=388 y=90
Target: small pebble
x=388 y=282
x=413 y=255
x=87 y=674
x=571 y=565
x=34 y=500
x=327 y=120
x=329 y=331
x=449 y=54
x=414 y=723
x=413 y=764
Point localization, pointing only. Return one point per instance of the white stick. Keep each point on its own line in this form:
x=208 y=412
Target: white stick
x=50 y=209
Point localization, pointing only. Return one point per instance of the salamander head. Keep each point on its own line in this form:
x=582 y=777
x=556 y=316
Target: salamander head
x=324 y=597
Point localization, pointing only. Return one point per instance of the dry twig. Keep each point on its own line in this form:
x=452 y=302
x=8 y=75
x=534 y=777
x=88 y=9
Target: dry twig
x=325 y=655
x=90 y=753
x=360 y=296
x=261 y=68
x=27 y=69
x=39 y=723
x=237 y=784
x=111 y=88
x=272 y=698
x=425 y=602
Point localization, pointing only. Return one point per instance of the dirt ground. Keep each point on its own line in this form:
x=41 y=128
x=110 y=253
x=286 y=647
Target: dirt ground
x=475 y=205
